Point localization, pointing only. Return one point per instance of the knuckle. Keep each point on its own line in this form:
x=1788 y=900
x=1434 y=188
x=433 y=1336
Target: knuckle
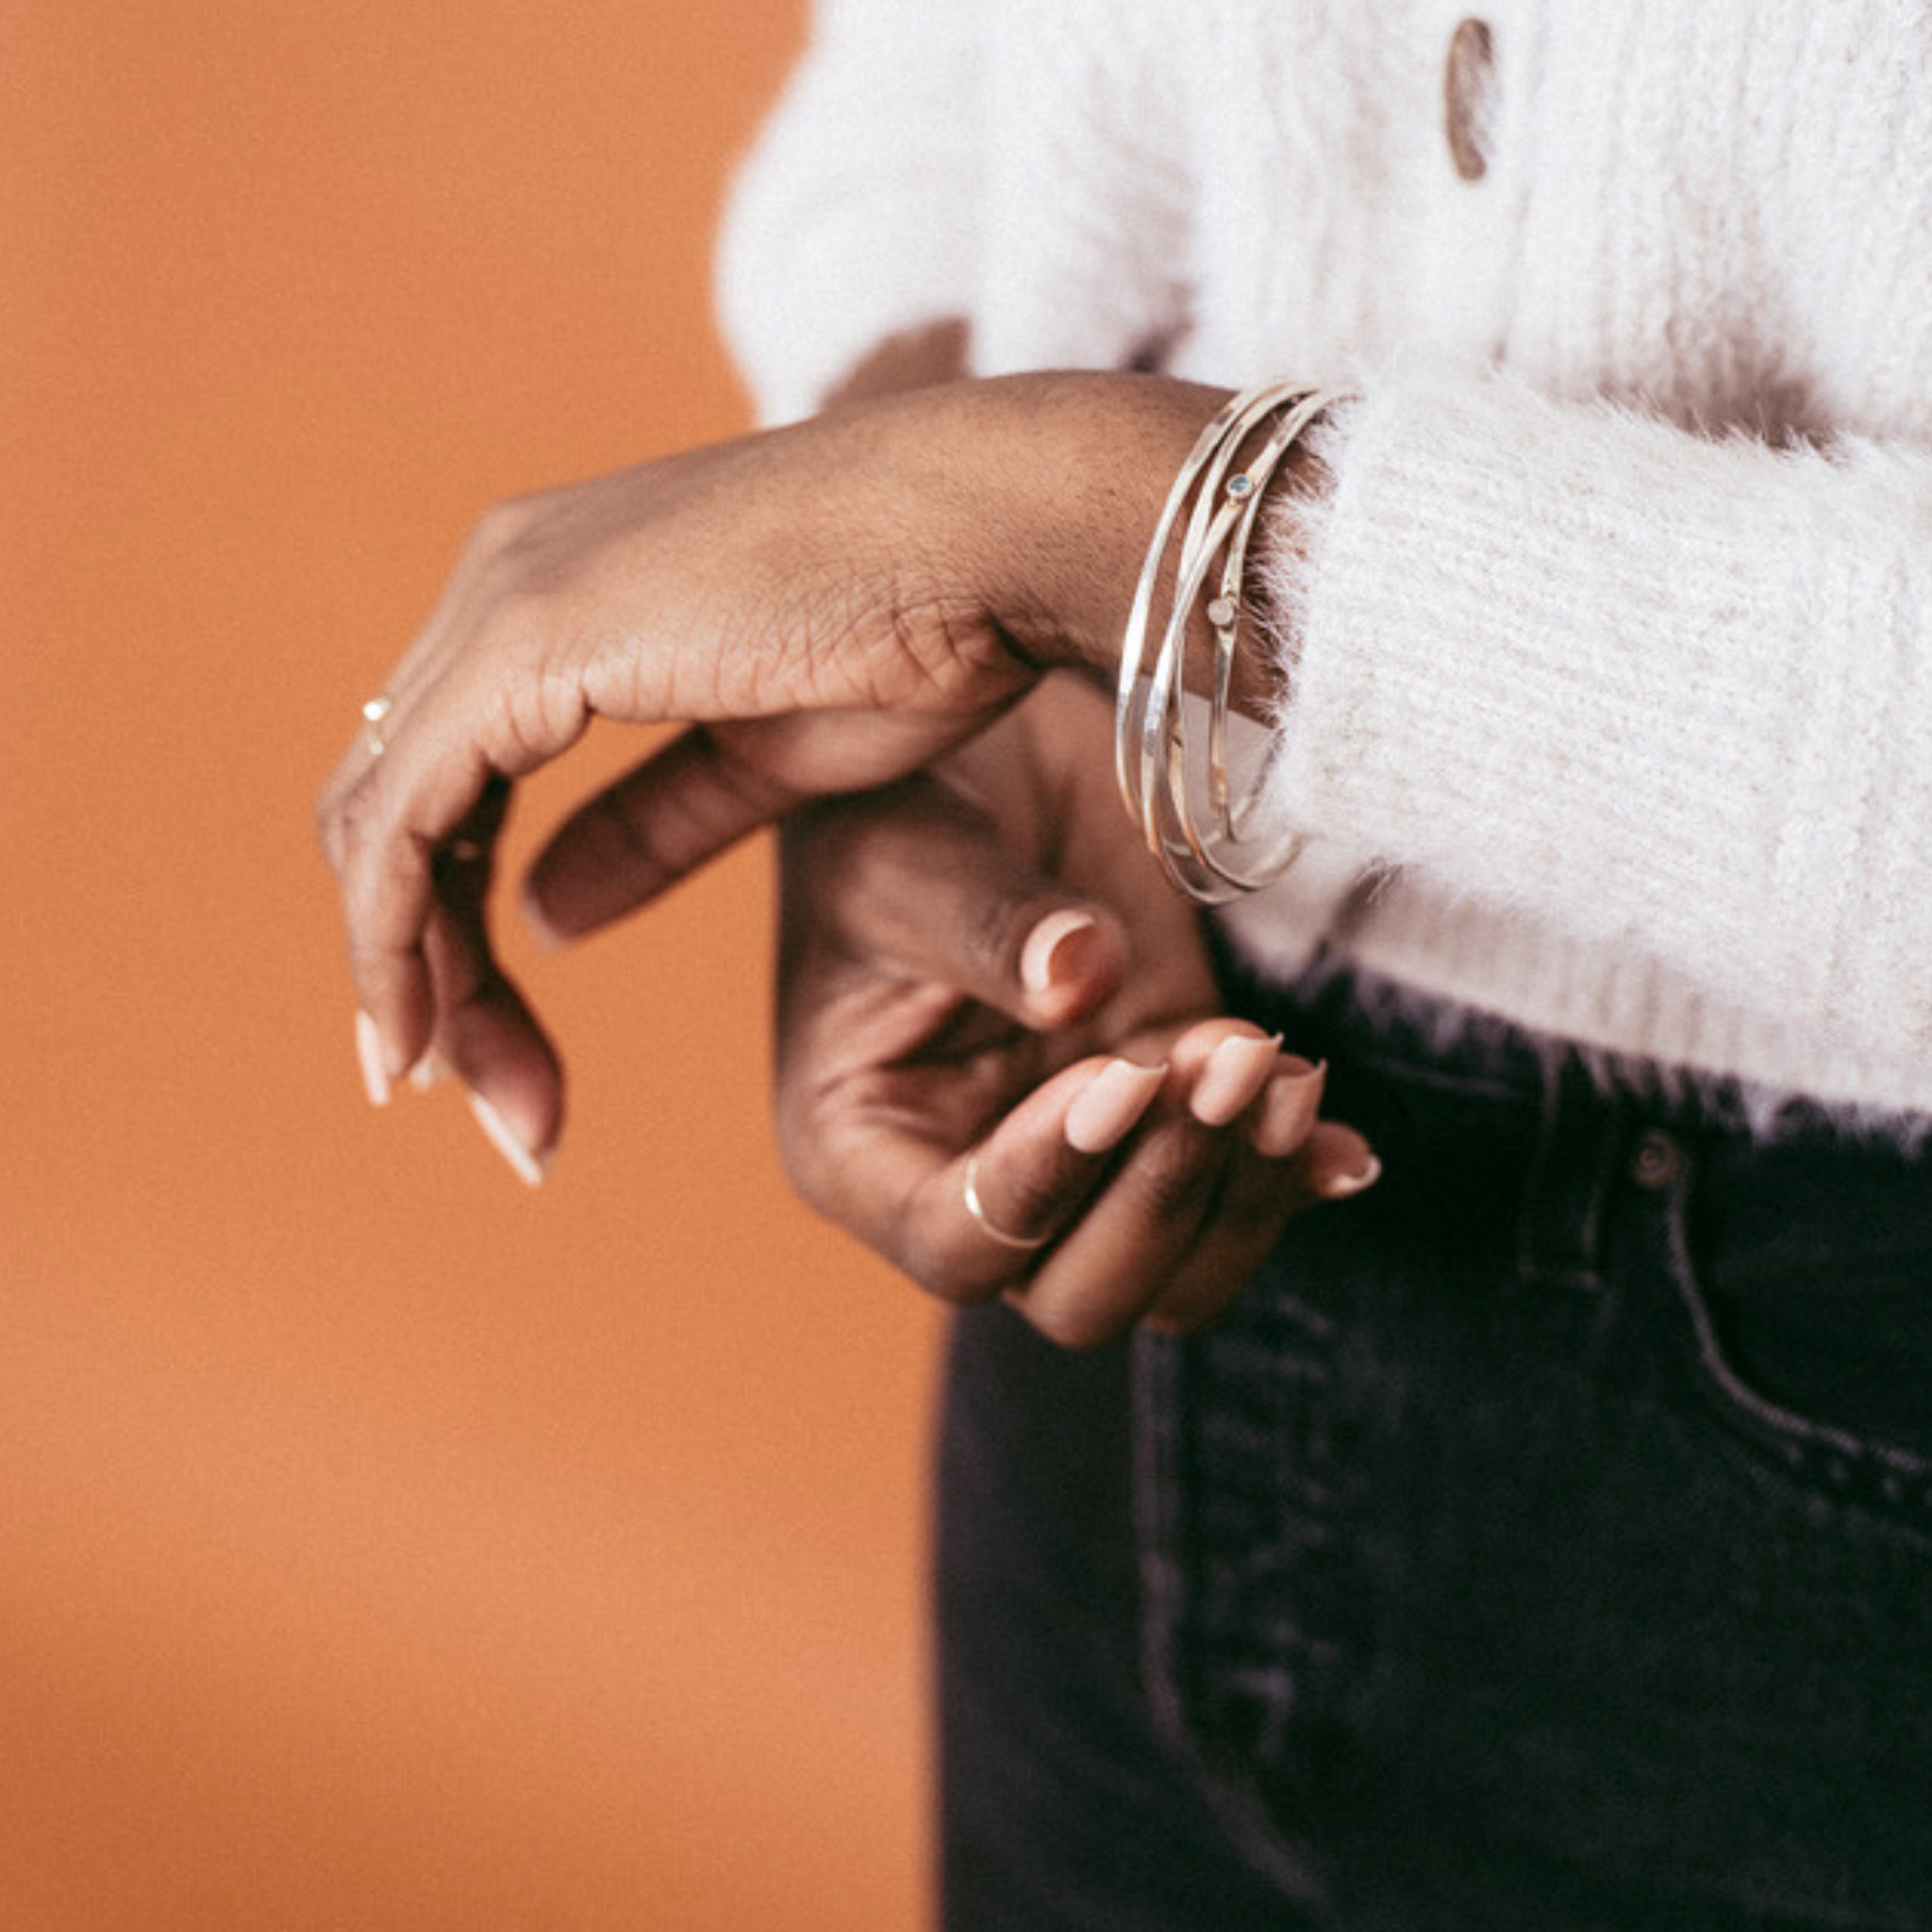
x=737 y=786
x=1177 y=1178
x=350 y=822
x=511 y=623
x=499 y=528
x=924 y=645
x=515 y=699
x=528 y=716
x=948 y=642
x=620 y=840
x=995 y=930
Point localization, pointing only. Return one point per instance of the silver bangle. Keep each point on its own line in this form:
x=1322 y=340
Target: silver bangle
x=1203 y=862
x=1235 y=419
x=1158 y=765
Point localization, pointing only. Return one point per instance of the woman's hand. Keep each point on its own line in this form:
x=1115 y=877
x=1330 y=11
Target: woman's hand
x=983 y=974
x=840 y=603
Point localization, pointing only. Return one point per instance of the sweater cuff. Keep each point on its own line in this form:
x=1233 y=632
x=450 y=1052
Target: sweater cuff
x=1583 y=664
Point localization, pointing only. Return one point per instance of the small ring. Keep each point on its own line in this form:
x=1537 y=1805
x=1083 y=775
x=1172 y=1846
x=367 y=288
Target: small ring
x=373 y=711
x=1024 y=1244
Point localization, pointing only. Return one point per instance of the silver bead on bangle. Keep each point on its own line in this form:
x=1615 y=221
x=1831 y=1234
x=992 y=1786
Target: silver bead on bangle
x=1183 y=798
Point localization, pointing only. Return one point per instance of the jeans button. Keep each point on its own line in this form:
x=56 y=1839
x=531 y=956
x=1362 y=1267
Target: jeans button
x=1657 y=1162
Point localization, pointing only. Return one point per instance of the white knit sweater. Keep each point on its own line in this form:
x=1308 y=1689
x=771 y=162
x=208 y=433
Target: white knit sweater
x=1612 y=657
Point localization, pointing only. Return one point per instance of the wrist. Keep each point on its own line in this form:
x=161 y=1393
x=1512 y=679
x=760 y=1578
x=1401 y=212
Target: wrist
x=1024 y=504
x=1072 y=473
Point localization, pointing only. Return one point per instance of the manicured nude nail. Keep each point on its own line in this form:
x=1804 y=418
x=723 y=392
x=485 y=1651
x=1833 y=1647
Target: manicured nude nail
x=526 y=1165
x=548 y=939
x=1339 y=1186
x=1237 y=1070
x=432 y=1070
x=369 y=1056
x=1346 y=1165
x=1053 y=949
x=1114 y=1100
x=1289 y=1107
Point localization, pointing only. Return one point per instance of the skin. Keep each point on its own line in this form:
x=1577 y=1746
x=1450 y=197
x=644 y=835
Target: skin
x=833 y=607
x=910 y=1041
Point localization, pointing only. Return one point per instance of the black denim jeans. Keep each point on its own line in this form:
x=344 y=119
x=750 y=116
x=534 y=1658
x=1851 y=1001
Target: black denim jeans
x=1542 y=1544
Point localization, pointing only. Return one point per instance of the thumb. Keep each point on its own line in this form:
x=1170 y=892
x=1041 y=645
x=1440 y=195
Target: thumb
x=664 y=818
x=914 y=880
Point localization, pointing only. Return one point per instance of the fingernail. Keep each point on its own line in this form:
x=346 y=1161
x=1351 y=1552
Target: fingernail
x=369 y=1056
x=1288 y=1108
x=1112 y=1102
x=430 y=1071
x=526 y=1165
x=1052 y=953
x=1339 y=1186
x=1237 y=1070
x=547 y=936
x=1348 y=1166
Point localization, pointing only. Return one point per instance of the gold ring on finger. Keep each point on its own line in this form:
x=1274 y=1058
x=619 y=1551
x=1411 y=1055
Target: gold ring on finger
x=1021 y=1243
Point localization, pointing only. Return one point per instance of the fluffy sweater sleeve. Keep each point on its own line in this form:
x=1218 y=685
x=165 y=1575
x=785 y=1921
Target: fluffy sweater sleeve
x=1636 y=685
x=856 y=213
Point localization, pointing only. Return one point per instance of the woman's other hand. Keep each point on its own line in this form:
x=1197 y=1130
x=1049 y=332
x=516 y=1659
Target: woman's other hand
x=983 y=976
x=839 y=603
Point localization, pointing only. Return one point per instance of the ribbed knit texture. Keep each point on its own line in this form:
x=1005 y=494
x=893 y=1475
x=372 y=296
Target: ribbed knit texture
x=1612 y=652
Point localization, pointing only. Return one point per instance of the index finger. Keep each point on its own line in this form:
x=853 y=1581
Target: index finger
x=390 y=811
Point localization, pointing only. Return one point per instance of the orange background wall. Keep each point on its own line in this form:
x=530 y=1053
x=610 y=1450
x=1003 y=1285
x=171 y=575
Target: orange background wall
x=382 y=1546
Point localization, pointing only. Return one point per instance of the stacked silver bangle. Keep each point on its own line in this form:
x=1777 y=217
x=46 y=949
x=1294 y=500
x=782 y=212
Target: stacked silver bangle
x=1178 y=788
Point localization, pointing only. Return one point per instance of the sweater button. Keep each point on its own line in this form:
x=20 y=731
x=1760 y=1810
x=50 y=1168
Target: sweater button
x=1466 y=79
